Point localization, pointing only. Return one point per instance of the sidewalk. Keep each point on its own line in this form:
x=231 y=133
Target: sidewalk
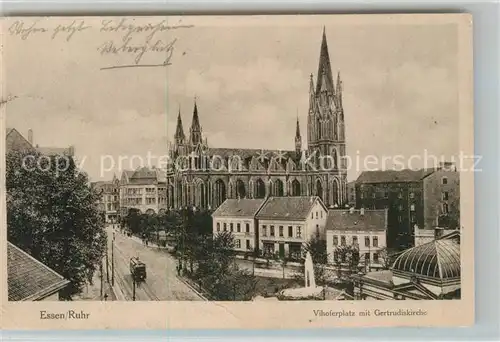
x=93 y=292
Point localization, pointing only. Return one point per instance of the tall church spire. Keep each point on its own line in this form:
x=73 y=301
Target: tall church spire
x=298 y=138
x=195 y=132
x=179 y=131
x=324 y=75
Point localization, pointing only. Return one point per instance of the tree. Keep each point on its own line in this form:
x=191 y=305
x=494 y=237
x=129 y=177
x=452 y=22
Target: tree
x=346 y=258
x=386 y=258
x=218 y=273
x=52 y=214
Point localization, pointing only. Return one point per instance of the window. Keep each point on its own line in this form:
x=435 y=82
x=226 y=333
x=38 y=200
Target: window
x=238 y=227
x=400 y=195
x=400 y=218
x=375 y=241
x=218 y=226
x=281 y=231
x=412 y=195
x=367 y=241
x=342 y=240
x=231 y=227
x=248 y=245
x=400 y=207
x=312 y=215
x=386 y=194
x=445 y=196
x=225 y=227
x=264 y=230
x=290 y=231
x=335 y=240
x=375 y=258
x=445 y=208
x=299 y=233
x=373 y=195
x=271 y=230
x=444 y=181
x=316 y=214
x=335 y=256
x=412 y=207
x=247 y=227
x=361 y=196
x=237 y=243
x=354 y=240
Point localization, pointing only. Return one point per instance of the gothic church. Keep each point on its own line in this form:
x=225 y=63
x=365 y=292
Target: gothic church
x=207 y=176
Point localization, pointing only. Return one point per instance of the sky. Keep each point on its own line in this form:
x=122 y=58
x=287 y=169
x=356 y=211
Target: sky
x=250 y=78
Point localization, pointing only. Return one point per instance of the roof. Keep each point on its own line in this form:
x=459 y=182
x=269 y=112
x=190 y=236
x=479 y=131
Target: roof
x=143 y=176
x=288 y=208
x=438 y=259
x=50 y=151
x=28 y=278
x=384 y=276
x=371 y=220
x=393 y=176
x=239 y=207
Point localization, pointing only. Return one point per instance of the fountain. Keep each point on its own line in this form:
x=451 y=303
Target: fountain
x=310 y=291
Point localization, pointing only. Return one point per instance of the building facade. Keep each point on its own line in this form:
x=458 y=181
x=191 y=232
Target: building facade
x=109 y=204
x=238 y=217
x=413 y=198
x=205 y=176
x=365 y=229
x=287 y=223
x=351 y=194
x=143 y=190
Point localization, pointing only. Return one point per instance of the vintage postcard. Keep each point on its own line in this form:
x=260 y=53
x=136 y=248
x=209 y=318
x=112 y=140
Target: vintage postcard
x=239 y=172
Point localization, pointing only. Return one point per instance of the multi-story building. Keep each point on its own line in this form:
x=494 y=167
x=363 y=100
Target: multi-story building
x=413 y=198
x=109 y=204
x=208 y=175
x=15 y=141
x=143 y=190
x=365 y=229
x=238 y=217
x=351 y=194
x=287 y=223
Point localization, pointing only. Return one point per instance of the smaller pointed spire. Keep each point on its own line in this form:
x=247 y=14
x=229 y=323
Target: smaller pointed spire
x=179 y=131
x=195 y=131
x=297 y=130
x=339 y=82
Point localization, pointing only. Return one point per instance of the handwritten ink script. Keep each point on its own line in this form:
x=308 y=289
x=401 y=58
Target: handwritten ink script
x=116 y=37
x=25 y=31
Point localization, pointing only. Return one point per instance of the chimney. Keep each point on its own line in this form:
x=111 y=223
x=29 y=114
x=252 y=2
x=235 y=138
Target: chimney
x=351 y=210
x=30 y=136
x=362 y=211
x=446 y=166
x=71 y=151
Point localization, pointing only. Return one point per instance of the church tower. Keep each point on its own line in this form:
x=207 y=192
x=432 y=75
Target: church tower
x=325 y=131
x=298 y=140
x=195 y=136
x=179 y=147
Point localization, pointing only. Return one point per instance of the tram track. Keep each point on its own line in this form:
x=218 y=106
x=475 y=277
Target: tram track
x=143 y=291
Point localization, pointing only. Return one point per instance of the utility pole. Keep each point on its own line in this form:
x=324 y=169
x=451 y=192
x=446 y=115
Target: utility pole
x=133 y=288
